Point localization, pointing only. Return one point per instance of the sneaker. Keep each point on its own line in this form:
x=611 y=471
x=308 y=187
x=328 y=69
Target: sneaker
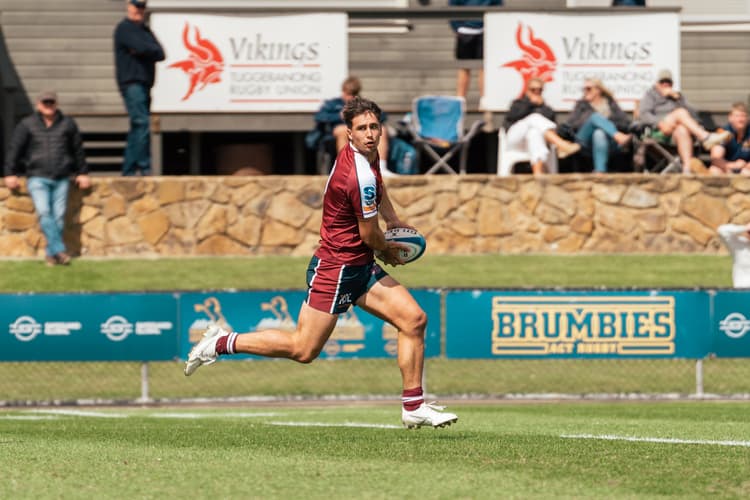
x=716 y=138
x=427 y=414
x=62 y=258
x=204 y=352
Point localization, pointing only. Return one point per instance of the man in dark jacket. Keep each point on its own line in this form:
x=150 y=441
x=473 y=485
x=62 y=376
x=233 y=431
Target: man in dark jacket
x=136 y=53
x=50 y=148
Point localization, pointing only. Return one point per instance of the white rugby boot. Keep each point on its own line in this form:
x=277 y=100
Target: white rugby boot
x=427 y=414
x=204 y=352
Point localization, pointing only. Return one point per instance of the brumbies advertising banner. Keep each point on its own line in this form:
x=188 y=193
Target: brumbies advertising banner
x=259 y=63
x=624 y=50
x=357 y=333
x=586 y=324
x=478 y=324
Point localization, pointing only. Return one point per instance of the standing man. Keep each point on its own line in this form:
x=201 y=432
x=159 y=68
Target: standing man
x=49 y=144
x=470 y=47
x=343 y=272
x=136 y=53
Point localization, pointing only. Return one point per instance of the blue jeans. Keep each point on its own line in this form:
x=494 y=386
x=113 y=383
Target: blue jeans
x=50 y=197
x=138 y=149
x=597 y=135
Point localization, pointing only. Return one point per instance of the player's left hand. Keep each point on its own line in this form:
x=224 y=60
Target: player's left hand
x=397 y=223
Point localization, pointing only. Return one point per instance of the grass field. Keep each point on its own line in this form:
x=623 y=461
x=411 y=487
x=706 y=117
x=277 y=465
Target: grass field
x=574 y=450
x=487 y=271
x=496 y=450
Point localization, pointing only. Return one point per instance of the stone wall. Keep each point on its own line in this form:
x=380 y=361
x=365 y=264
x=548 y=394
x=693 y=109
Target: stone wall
x=176 y=216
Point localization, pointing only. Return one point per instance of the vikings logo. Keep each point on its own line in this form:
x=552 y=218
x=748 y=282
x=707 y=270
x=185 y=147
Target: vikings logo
x=204 y=64
x=538 y=60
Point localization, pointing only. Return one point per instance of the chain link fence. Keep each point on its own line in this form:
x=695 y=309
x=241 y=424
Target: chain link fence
x=128 y=382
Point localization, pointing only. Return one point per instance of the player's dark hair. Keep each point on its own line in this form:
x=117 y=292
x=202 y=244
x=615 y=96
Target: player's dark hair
x=357 y=106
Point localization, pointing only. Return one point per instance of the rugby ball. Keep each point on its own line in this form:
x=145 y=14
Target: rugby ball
x=409 y=237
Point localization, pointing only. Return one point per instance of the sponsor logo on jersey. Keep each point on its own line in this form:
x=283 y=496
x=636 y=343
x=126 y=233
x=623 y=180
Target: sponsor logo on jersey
x=369 y=200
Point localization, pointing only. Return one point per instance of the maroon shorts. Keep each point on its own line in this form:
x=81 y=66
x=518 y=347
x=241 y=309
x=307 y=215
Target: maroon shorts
x=333 y=288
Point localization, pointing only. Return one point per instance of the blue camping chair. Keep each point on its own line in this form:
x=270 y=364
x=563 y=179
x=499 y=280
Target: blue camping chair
x=437 y=128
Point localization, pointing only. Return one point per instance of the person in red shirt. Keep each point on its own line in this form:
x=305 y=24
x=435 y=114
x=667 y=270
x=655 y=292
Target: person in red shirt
x=343 y=272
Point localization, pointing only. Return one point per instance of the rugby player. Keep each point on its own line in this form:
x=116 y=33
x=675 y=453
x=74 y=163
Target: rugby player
x=343 y=272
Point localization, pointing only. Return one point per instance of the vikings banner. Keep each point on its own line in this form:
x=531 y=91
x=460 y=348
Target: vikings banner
x=240 y=64
x=623 y=50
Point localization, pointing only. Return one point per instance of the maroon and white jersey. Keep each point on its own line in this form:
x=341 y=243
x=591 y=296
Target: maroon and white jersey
x=353 y=191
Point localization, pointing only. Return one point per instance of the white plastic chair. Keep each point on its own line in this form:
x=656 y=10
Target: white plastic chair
x=507 y=158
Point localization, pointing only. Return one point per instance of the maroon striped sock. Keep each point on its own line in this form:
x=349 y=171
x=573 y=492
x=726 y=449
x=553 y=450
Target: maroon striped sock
x=412 y=398
x=226 y=344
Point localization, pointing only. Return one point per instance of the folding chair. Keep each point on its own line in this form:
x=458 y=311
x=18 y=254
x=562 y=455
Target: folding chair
x=652 y=153
x=507 y=157
x=437 y=127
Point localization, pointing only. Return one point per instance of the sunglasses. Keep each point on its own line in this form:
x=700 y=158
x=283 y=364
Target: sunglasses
x=586 y=89
x=535 y=90
x=49 y=102
x=665 y=82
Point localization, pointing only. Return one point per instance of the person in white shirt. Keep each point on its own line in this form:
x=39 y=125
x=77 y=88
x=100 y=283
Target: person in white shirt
x=737 y=239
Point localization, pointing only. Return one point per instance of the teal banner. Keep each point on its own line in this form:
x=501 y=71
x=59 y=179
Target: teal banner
x=478 y=324
x=83 y=327
x=731 y=322
x=577 y=324
x=357 y=333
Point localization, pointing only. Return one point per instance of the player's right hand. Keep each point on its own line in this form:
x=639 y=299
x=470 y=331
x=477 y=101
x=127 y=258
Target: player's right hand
x=392 y=253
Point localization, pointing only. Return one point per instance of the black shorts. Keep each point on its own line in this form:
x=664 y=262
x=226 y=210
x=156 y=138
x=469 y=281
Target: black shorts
x=469 y=46
x=333 y=288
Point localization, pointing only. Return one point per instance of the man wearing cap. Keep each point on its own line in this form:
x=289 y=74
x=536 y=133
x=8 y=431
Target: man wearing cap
x=667 y=110
x=48 y=146
x=136 y=53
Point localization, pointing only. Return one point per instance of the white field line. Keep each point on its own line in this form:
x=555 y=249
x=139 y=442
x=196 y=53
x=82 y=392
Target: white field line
x=345 y=424
x=213 y=415
x=611 y=437
x=29 y=417
x=54 y=413
x=79 y=413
